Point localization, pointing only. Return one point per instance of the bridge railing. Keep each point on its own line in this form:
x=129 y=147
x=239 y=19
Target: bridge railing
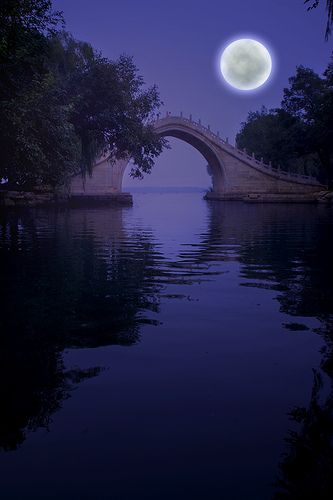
x=242 y=153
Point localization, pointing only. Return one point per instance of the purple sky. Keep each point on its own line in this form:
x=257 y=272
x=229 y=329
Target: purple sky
x=175 y=44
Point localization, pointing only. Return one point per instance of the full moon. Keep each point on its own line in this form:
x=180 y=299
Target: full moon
x=246 y=64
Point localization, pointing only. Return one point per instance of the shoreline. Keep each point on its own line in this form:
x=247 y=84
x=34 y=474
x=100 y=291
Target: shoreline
x=31 y=199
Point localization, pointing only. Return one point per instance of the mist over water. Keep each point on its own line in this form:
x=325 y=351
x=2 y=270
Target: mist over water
x=157 y=351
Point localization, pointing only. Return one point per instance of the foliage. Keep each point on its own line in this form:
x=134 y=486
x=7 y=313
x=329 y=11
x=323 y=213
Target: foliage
x=37 y=141
x=310 y=98
x=24 y=27
x=299 y=135
x=34 y=133
x=329 y=8
x=111 y=112
x=277 y=137
x=62 y=104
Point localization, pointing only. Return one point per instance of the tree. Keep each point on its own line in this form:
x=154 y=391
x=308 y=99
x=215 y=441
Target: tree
x=329 y=8
x=38 y=143
x=24 y=27
x=36 y=140
x=62 y=104
x=310 y=98
x=299 y=135
x=277 y=137
x=112 y=112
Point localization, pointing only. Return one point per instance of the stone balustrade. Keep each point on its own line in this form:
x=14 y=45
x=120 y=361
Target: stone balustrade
x=241 y=154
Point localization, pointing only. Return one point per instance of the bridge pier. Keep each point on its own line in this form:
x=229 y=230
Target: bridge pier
x=103 y=187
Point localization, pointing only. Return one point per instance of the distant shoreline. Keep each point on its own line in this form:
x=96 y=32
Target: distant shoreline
x=164 y=189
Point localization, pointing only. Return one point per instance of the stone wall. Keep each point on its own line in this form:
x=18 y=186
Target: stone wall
x=106 y=179
x=244 y=179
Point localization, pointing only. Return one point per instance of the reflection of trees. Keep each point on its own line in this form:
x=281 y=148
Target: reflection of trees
x=301 y=271
x=280 y=247
x=306 y=470
x=33 y=385
x=64 y=283
x=307 y=467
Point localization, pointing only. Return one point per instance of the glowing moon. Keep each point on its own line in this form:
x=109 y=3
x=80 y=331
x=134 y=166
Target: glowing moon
x=246 y=64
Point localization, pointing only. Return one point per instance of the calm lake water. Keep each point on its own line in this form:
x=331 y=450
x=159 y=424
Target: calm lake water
x=178 y=349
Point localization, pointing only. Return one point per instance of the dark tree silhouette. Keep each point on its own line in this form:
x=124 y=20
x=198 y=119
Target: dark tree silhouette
x=298 y=135
x=329 y=7
x=62 y=104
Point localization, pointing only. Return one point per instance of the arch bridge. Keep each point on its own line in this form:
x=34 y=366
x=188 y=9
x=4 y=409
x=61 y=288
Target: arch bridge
x=236 y=175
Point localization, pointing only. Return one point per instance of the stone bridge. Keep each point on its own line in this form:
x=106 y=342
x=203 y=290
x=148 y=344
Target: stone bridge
x=236 y=175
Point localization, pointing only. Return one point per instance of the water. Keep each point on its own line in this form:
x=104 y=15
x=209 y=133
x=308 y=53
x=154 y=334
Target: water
x=156 y=352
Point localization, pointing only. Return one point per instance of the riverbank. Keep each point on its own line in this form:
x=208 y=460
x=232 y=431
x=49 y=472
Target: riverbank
x=29 y=198
x=20 y=199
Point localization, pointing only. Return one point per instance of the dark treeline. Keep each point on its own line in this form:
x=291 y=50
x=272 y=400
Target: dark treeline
x=298 y=136
x=62 y=103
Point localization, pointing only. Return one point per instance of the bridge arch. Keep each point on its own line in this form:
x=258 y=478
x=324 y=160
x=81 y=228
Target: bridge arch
x=184 y=132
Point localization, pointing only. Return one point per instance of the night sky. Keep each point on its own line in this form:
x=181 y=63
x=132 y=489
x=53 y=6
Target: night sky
x=176 y=44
